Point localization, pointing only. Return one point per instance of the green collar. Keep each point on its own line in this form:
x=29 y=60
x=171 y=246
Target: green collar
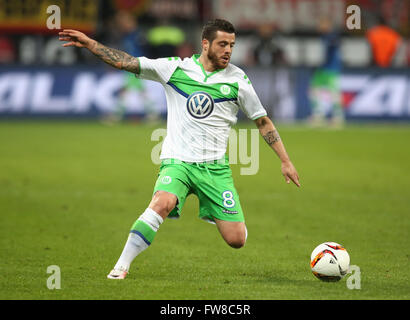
x=195 y=57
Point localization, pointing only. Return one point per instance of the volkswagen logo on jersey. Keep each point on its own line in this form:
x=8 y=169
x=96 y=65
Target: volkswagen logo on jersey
x=200 y=105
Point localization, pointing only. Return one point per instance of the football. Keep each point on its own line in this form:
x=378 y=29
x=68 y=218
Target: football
x=329 y=261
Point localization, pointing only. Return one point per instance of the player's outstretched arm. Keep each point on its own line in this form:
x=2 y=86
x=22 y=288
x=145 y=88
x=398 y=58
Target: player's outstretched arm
x=116 y=58
x=272 y=138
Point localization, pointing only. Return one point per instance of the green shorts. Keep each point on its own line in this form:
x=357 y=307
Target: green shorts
x=211 y=182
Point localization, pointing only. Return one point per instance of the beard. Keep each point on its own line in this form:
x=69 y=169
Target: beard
x=215 y=60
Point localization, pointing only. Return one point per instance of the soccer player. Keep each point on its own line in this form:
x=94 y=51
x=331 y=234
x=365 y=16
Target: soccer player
x=203 y=95
x=324 y=93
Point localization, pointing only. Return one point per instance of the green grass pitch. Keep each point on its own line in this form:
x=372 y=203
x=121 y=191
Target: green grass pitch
x=70 y=191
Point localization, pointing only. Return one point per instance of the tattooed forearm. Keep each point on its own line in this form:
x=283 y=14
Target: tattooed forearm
x=271 y=137
x=116 y=58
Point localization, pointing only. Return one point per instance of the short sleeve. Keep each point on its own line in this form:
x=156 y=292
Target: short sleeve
x=159 y=70
x=248 y=100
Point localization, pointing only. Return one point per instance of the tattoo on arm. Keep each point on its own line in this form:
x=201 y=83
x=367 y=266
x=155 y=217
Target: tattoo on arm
x=271 y=137
x=116 y=58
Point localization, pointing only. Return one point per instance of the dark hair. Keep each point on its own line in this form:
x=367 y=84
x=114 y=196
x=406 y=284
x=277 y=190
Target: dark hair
x=211 y=27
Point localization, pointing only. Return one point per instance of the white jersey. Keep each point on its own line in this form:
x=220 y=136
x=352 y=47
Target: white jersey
x=202 y=106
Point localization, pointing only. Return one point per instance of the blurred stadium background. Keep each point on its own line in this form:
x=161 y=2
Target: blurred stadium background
x=280 y=44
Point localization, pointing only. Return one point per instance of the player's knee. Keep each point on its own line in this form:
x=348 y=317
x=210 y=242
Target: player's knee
x=237 y=243
x=236 y=240
x=234 y=234
x=163 y=203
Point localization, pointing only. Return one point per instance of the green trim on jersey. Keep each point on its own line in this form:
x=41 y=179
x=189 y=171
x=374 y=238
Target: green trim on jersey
x=186 y=85
x=139 y=66
x=195 y=57
x=258 y=117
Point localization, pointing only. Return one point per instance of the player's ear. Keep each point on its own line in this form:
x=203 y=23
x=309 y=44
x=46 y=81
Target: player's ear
x=205 y=44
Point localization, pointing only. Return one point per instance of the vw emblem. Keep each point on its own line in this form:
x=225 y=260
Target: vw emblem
x=166 y=180
x=200 y=104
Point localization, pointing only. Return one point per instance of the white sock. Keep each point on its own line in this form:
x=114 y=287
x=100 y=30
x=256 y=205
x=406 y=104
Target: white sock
x=133 y=247
x=151 y=218
x=138 y=239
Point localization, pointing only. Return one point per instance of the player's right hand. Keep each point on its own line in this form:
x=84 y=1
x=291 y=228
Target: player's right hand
x=74 y=38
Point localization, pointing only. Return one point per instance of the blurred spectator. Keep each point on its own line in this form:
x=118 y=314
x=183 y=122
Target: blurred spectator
x=164 y=40
x=267 y=52
x=325 y=95
x=407 y=52
x=185 y=50
x=132 y=41
x=384 y=43
x=7 y=50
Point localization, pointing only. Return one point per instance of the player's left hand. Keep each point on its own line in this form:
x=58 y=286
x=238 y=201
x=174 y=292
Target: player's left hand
x=290 y=173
